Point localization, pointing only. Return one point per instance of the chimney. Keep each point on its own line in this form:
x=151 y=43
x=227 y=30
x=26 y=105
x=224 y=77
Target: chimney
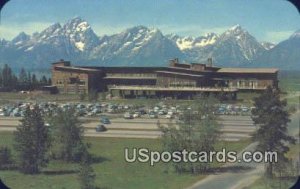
x=173 y=62
x=176 y=60
x=209 y=62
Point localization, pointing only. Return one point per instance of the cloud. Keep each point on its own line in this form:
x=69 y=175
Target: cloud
x=277 y=36
x=8 y=31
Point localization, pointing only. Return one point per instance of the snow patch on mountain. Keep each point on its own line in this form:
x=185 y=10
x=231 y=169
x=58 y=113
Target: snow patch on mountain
x=185 y=43
x=267 y=45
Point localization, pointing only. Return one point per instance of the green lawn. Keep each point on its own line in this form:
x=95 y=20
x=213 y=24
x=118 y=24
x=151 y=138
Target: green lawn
x=111 y=169
x=6 y=97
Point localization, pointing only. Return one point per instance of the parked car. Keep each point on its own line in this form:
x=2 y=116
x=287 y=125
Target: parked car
x=152 y=115
x=169 y=116
x=128 y=115
x=136 y=114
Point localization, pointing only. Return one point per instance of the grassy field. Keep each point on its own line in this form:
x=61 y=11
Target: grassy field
x=111 y=169
x=289 y=80
x=244 y=98
x=6 y=97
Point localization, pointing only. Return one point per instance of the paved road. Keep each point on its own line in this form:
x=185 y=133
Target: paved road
x=234 y=127
x=234 y=177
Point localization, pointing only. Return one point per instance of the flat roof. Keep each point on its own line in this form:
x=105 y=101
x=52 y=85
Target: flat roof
x=72 y=68
x=247 y=70
x=179 y=73
x=156 y=88
x=128 y=77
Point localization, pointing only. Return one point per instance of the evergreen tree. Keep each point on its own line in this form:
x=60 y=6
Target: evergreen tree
x=22 y=77
x=29 y=80
x=68 y=135
x=5 y=157
x=32 y=141
x=86 y=173
x=14 y=82
x=271 y=116
x=43 y=81
x=7 y=76
x=1 y=78
x=49 y=81
x=34 y=82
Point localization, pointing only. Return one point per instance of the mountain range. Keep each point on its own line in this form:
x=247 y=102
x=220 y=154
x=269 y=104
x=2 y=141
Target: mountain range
x=141 y=46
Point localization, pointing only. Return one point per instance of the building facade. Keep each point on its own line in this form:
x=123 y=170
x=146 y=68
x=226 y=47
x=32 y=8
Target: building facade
x=177 y=80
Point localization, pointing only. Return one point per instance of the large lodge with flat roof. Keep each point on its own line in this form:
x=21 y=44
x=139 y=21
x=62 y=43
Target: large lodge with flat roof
x=178 y=80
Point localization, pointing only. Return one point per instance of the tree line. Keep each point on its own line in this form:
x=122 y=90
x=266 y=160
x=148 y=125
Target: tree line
x=10 y=81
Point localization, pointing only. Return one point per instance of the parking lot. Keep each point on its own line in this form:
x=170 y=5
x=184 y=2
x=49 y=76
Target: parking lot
x=132 y=121
x=159 y=110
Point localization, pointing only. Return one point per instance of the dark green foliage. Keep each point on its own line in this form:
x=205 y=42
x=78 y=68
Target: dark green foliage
x=32 y=142
x=49 y=81
x=271 y=116
x=67 y=135
x=197 y=131
x=86 y=172
x=25 y=81
x=5 y=157
x=7 y=78
x=34 y=82
x=43 y=81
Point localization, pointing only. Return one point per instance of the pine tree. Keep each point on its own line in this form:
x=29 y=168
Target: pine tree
x=23 y=77
x=49 y=81
x=43 y=81
x=7 y=77
x=29 y=80
x=32 y=141
x=68 y=135
x=1 y=78
x=271 y=116
x=34 y=82
x=86 y=173
x=5 y=157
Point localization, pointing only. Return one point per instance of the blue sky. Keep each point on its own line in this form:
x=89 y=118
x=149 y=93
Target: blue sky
x=267 y=20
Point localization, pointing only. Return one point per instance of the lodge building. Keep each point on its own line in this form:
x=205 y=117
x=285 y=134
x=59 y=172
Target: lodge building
x=178 y=80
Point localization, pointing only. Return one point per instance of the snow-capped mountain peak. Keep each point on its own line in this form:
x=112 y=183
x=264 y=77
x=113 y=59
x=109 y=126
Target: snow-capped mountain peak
x=267 y=45
x=21 y=38
x=51 y=30
x=80 y=34
x=235 y=31
x=188 y=42
x=139 y=46
x=76 y=24
x=236 y=27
